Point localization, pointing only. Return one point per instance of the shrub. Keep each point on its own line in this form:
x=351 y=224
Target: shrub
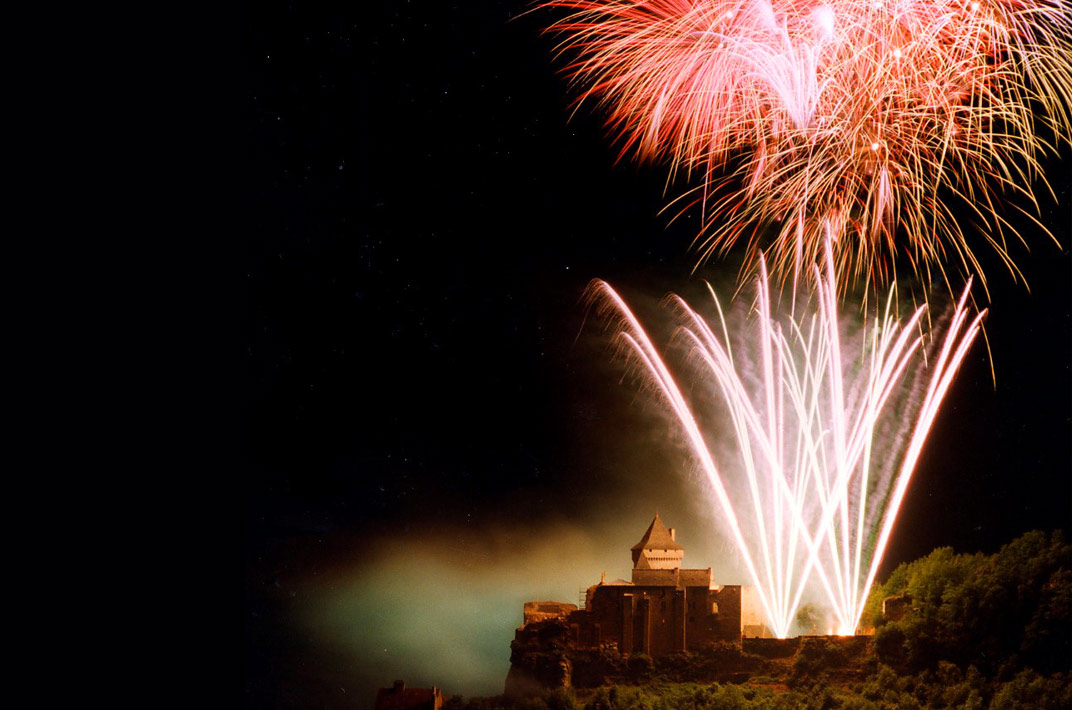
x=561 y=699
x=816 y=655
x=1030 y=691
x=890 y=644
x=640 y=665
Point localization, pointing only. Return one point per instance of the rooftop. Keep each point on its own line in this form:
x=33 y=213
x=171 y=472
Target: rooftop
x=657 y=537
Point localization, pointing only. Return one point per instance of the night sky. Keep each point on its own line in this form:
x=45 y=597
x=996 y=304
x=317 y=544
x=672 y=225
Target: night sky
x=432 y=433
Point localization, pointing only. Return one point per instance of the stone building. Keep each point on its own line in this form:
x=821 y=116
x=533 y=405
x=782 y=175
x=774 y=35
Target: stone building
x=399 y=697
x=896 y=607
x=663 y=608
x=541 y=611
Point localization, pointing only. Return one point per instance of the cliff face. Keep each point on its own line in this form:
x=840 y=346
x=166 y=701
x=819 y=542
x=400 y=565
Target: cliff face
x=539 y=659
x=544 y=656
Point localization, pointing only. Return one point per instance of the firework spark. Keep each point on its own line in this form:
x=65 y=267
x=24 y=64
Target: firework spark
x=863 y=114
x=827 y=431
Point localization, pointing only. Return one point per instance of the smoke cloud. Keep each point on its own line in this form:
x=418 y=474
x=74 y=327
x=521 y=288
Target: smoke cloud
x=440 y=607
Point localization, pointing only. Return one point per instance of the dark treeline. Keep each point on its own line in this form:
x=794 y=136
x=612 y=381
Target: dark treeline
x=999 y=613
x=979 y=632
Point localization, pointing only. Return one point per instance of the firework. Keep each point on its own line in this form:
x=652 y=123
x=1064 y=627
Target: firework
x=827 y=428
x=868 y=115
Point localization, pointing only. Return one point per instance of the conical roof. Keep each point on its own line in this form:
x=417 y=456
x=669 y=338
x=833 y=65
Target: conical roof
x=657 y=537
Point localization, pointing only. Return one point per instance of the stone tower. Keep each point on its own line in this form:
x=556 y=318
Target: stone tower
x=657 y=549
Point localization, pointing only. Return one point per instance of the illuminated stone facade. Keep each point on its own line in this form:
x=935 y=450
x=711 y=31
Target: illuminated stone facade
x=662 y=609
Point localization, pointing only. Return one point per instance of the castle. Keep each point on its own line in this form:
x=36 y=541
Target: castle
x=662 y=609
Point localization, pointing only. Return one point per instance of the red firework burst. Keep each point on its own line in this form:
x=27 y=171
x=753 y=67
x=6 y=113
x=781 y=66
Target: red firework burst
x=864 y=114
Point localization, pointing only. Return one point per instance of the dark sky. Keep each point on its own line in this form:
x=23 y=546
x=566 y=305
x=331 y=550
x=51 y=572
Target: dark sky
x=425 y=217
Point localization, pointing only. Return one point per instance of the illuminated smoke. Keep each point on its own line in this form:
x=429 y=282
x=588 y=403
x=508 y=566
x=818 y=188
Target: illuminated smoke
x=827 y=427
